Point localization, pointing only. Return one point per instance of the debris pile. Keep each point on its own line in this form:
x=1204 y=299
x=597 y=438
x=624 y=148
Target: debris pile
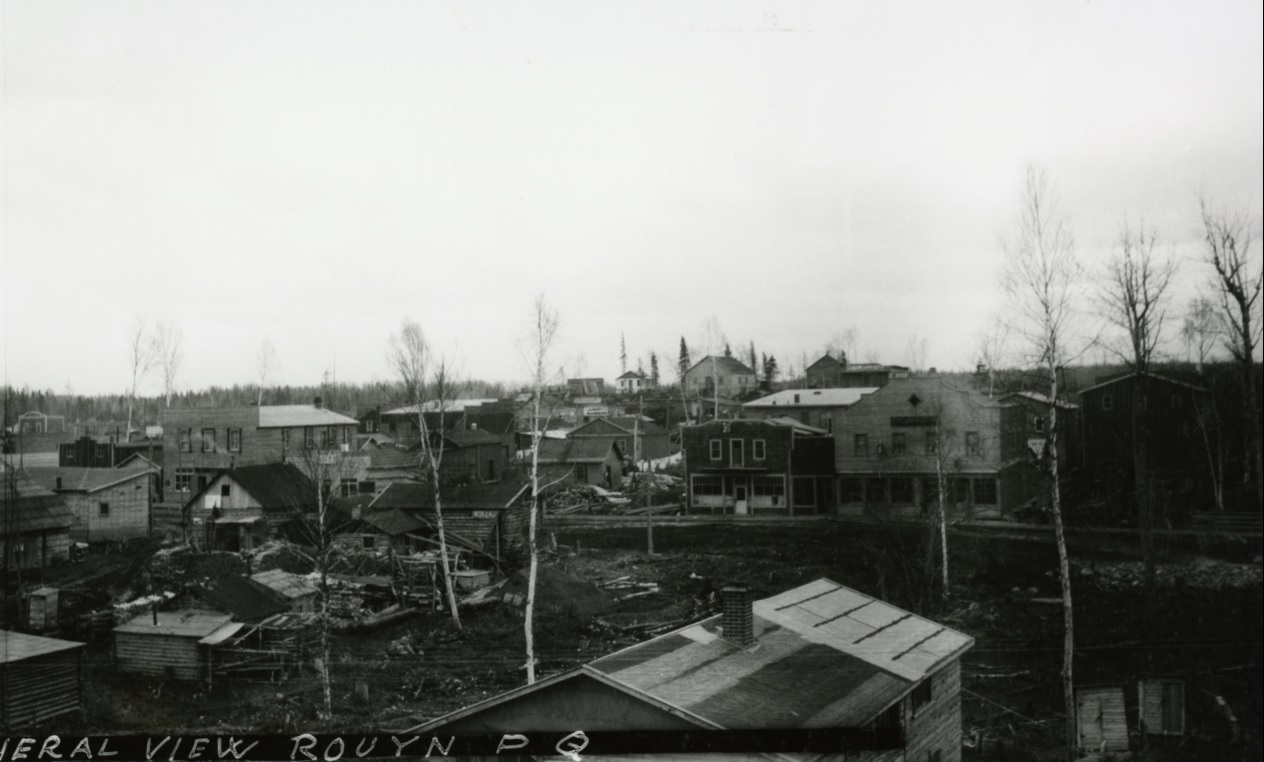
x=557 y=592
x=1203 y=574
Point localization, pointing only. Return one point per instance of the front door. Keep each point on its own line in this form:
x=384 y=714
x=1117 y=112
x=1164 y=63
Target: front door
x=739 y=499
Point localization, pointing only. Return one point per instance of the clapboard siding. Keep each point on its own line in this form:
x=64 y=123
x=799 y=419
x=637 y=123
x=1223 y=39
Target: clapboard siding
x=1152 y=706
x=38 y=689
x=154 y=654
x=1101 y=719
x=127 y=517
x=937 y=726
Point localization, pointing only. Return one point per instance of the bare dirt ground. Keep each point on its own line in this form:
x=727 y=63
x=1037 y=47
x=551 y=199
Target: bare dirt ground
x=405 y=673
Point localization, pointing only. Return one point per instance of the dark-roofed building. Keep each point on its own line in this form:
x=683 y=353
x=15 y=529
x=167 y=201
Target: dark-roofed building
x=831 y=373
x=246 y=600
x=474 y=455
x=776 y=466
x=587 y=460
x=245 y=506
x=35 y=531
x=299 y=594
x=819 y=656
x=40 y=680
x=170 y=646
x=385 y=530
x=108 y=503
x=732 y=378
x=486 y=517
x=638 y=438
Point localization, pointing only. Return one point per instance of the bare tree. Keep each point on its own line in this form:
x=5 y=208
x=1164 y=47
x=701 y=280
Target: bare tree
x=714 y=341
x=1200 y=330
x=1040 y=277
x=993 y=345
x=168 y=354
x=427 y=382
x=1134 y=296
x=140 y=356
x=536 y=347
x=1238 y=279
x=917 y=349
x=266 y=365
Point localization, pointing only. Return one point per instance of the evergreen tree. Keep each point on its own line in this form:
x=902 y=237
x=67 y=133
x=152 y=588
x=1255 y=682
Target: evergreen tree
x=728 y=352
x=653 y=369
x=684 y=361
x=623 y=354
x=751 y=357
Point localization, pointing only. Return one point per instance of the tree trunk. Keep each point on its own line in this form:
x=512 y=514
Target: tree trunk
x=1064 y=570
x=532 y=548
x=443 y=555
x=1142 y=493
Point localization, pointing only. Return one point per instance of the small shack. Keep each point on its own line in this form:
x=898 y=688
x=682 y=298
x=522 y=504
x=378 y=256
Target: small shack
x=248 y=601
x=40 y=679
x=1101 y=720
x=168 y=643
x=296 y=589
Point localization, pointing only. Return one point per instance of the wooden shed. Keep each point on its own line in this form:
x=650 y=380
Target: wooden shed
x=40 y=679
x=1101 y=719
x=1162 y=705
x=168 y=644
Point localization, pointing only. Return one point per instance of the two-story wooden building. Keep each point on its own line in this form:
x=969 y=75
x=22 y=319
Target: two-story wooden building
x=108 y=503
x=201 y=442
x=243 y=507
x=892 y=446
x=818 y=656
x=639 y=438
x=835 y=373
x=776 y=466
x=814 y=407
x=727 y=374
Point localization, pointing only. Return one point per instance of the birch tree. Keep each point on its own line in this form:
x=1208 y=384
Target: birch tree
x=1040 y=277
x=714 y=341
x=140 y=356
x=1200 y=330
x=1238 y=278
x=168 y=355
x=265 y=366
x=536 y=348
x=426 y=381
x=993 y=344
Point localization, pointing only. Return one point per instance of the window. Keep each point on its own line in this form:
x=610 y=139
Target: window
x=234 y=440
x=737 y=452
x=933 y=756
x=369 y=541
x=184 y=477
x=186 y=440
x=208 y=440
x=328 y=438
x=349 y=487
x=1108 y=402
x=581 y=473
x=973 y=446
x=769 y=486
x=759 y=449
x=368 y=488
x=875 y=491
x=930 y=490
x=960 y=490
x=901 y=491
x=225 y=490
x=1038 y=425
x=717 y=449
x=1173 y=707
x=103 y=509
x=309 y=438
x=829 y=424
x=932 y=443
x=922 y=695
x=285 y=439
x=985 y=492
x=707 y=486
x=851 y=491
x=860 y=444
x=899 y=444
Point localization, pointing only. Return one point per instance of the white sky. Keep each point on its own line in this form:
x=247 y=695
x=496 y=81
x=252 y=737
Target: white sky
x=312 y=173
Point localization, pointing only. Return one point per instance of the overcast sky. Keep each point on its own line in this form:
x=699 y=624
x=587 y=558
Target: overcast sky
x=313 y=173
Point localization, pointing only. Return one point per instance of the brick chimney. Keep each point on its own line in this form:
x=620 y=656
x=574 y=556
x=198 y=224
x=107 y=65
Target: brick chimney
x=317 y=402
x=738 y=618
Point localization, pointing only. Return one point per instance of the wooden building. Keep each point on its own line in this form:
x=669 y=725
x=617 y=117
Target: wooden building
x=597 y=461
x=812 y=407
x=768 y=467
x=831 y=373
x=474 y=455
x=40 y=680
x=891 y=446
x=108 y=503
x=243 y=598
x=200 y=442
x=631 y=382
x=401 y=422
x=729 y=375
x=243 y=507
x=1101 y=721
x=35 y=524
x=389 y=530
x=489 y=518
x=300 y=594
x=35 y=422
x=638 y=437
x=819 y=656
x=168 y=644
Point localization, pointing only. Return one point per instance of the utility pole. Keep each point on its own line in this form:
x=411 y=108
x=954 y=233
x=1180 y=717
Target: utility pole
x=636 y=448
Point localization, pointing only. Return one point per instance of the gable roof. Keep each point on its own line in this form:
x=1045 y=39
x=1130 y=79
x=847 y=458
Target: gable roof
x=813 y=397
x=285 y=583
x=86 y=479
x=1043 y=399
x=631 y=374
x=16 y=646
x=273 y=485
x=242 y=597
x=826 y=361
x=1155 y=376
x=278 y=416
x=187 y=624
x=35 y=509
x=392 y=457
x=583 y=450
x=416 y=496
x=472 y=437
x=730 y=364
x=620 y=425
x=827 y=656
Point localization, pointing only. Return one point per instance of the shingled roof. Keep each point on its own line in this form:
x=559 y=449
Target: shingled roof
x=274 y=485
x=35 y=508
x=86 y=479
x=730 y=364
x=583 y=450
